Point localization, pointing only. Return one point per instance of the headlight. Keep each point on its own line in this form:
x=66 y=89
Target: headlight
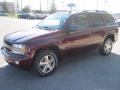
x=18 y=49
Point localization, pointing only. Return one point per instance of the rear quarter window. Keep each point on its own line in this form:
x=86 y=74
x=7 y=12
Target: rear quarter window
x=108 y=19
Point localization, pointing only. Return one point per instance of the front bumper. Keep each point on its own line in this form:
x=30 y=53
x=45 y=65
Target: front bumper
x=23 y=61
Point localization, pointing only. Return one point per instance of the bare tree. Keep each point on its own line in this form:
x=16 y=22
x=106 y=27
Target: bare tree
x=26 y=9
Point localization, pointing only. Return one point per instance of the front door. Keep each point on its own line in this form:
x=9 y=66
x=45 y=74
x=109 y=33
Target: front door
x=79 y=36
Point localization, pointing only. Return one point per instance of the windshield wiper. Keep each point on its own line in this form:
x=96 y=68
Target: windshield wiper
x=46 y=28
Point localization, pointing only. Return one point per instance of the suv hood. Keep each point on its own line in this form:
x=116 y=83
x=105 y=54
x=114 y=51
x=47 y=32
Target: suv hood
x=25 y=35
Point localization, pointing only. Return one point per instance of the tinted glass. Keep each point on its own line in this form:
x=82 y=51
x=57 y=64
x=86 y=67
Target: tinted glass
x=80 y=21
x=95 y=20
x=108 y=19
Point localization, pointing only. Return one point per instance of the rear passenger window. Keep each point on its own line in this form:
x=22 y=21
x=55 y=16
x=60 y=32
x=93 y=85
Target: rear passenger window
x=108 y=19
x=95 y=20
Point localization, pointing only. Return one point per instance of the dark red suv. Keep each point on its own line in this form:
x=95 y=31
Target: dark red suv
x=42 y=46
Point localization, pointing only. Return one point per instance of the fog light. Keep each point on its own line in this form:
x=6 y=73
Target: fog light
x=16 y=62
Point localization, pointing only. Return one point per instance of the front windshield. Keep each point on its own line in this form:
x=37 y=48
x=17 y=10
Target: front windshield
x=54 y=21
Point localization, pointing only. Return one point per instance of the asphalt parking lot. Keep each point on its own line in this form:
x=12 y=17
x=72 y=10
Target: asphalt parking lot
x=90 y=71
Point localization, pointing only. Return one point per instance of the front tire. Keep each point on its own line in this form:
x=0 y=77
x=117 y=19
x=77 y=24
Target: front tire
x=106 y=47
x=45 y=63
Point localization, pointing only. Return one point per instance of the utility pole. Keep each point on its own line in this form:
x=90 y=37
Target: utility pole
x=40 y=6
x=97 y=5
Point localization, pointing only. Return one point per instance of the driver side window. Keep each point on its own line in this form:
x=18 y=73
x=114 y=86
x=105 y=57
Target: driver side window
x=80 y=21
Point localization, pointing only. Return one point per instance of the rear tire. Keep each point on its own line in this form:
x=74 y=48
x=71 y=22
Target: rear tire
x=106 y=47
x=45 y=63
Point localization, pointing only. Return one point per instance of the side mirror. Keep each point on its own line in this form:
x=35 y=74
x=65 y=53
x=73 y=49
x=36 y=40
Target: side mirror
x=72 y=27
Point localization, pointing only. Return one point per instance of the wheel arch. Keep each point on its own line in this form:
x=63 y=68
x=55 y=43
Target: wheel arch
x=54 y=48
x=111 y=36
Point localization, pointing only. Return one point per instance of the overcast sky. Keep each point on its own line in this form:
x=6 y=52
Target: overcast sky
x=108 y=5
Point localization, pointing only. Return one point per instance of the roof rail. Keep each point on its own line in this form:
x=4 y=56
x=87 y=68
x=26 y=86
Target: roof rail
x=93 y=11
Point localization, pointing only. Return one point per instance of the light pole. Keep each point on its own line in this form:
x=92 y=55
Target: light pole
x=47 y=6
x=106 y=5
x=97 y=5
x=71 y=5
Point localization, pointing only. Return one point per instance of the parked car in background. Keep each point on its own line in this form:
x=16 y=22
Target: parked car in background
x=27 y=16
x=43 y=46
x=40 y=16
x=117 y=22
x=3 y=14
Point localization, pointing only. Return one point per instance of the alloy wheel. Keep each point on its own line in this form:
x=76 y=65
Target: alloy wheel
x=47 y=64
x=108 y=46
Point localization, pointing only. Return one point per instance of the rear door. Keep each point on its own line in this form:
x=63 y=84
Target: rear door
x=96 y=27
